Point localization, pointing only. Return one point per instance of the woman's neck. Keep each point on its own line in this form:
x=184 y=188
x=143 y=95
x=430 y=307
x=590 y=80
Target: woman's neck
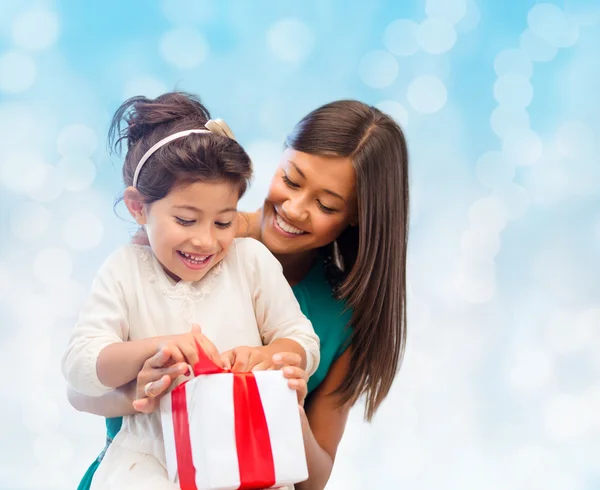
x=296 y=266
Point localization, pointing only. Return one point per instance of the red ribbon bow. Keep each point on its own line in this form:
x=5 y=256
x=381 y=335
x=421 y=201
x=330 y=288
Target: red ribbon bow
x=253 y=443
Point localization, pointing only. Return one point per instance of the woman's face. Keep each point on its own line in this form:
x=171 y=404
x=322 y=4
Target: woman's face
x=311 y=200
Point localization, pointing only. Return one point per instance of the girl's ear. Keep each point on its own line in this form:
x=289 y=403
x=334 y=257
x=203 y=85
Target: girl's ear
x=135 y=204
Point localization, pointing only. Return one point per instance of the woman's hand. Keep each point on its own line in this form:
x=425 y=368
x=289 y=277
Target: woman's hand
x=175 y=356
x=155 y=378
x=297 y=377
x=248 y=224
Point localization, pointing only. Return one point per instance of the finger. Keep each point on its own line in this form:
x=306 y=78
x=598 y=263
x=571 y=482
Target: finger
x=156 y=388
x=299 y=385
x=144 y=405
x=261 y=366
x=241 y=360
x=227 y=359
x=190 y=353
x=159 y=359
x=174 y=352
x=196 y=329
x=287 y=359
x=292 y=372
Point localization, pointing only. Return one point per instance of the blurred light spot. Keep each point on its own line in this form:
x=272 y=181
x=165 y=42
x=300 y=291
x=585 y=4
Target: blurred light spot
x=476 y=280
x=471 y=19
x=575 y=140
x=188 y=12
x=68 y=299
x=400 y=37
x=76 y=173
x=395 y=110
x=29 y=221
x=531 y=461
x=513 y=90
x=488 y=213
x=35 y=29
x=532 y=370
x=514 y=197
x=378 y=69
x=51 y=187
x=480 y=244
x=451 y=10
x=82 y=230
x=144 y=85
x=567 y=416
x=506 y=119
x=76 y=140
x=513 y=61
x=52 y=266
x=22 y=170
x=536 y=48
x=16 y=121
x=290 y=40
x=494 y=169
x=427 y=94
x=584 y=12
x=436 y=36
x=53 y=449
x=553 y=25
x=183 y=47
x=548 y=182
x=38 y=319
x=523 y=147
x=41 y=416
x=17 y=71
x=569 y=334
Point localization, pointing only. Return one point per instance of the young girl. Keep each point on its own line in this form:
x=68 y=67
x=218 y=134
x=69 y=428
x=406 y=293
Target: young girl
x=184 y=175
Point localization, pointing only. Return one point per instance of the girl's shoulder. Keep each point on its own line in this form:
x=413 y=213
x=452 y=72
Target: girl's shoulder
x=125 y=261
x=251 y=252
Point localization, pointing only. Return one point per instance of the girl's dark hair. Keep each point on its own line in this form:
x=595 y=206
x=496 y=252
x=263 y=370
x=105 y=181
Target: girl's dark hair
x=143 y=122
x=374 y=252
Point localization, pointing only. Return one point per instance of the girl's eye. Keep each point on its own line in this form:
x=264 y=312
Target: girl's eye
x=184 y=222
x=325 y=209
x=289 y=183
x=221 y=225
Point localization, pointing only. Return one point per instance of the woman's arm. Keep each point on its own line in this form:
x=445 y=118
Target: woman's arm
x=323 y=425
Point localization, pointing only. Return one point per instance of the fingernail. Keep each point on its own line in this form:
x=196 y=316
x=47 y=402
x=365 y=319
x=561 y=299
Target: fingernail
x=288 y=370
x=277 y=358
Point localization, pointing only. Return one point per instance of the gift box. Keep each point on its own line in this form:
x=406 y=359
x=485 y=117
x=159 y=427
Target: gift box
x=226 y=430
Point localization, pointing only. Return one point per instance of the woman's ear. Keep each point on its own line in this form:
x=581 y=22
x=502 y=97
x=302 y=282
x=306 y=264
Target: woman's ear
x=135 y=204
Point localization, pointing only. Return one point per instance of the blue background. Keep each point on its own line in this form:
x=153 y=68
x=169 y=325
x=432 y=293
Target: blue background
x=499 y=101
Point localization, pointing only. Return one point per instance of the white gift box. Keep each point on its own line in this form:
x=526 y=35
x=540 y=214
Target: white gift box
x=209 y=411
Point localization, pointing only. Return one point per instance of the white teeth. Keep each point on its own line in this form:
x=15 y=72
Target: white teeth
x=196 y=260
x=286 y=226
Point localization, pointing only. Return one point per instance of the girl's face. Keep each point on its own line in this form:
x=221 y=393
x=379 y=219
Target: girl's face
x=191 y=229
x=312 y=199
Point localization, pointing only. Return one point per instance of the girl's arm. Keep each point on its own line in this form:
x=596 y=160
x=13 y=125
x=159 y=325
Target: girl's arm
x=115 y=403
x=323 y=424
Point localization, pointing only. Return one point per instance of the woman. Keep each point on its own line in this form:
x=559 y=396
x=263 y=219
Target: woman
x=336 y=217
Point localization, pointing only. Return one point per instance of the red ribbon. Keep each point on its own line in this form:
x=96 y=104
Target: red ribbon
x=253 y=443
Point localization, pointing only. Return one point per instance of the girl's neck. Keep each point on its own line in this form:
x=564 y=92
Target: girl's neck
x=296 y=266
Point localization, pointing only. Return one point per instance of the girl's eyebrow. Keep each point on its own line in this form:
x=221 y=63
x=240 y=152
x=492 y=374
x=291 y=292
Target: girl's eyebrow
x=196 y=210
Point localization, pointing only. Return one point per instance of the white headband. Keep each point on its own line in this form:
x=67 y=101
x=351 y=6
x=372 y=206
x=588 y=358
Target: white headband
x=216 y=126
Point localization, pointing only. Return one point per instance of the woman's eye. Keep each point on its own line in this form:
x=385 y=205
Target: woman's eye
x=289 y=183
x=325 y=209
x=184 y=222
x=222 y=225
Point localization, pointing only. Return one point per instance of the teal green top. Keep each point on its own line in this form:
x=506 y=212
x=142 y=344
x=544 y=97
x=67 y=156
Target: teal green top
x=329 y=318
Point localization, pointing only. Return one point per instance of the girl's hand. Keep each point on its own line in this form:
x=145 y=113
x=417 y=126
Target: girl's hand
x=296 y=376
x=183 y=347
x=243 y=359
x=155 y=378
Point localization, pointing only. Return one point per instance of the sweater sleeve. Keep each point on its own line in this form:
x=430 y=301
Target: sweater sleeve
x=277 y=311
x=102 y=321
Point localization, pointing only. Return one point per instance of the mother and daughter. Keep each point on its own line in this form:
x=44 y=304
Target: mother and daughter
x=313 y=282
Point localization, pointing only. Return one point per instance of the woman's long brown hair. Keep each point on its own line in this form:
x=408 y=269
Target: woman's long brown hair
x=374 y=251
